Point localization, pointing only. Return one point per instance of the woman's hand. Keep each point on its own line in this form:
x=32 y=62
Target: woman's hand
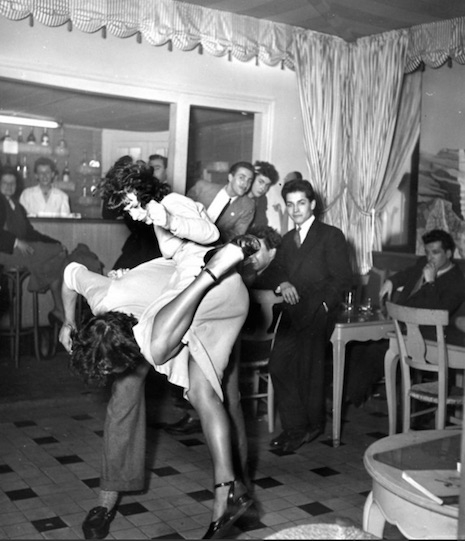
x=23 y=247
x=117 y=273
x=65 y=336
x=157 y=214
x=385 y=291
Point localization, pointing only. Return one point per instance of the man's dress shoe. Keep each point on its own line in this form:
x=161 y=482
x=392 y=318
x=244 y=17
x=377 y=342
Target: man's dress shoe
x=186 y=425
x=97 y=522
x=278 y=442
x=297 y=439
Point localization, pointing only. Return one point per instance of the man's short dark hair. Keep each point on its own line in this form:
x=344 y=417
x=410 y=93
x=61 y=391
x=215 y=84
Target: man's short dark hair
x=271 y=237
x=245 y=165
x=164 y=159
x=299 y=186
x=268 y=170
x=439 y=235
x=43 y=160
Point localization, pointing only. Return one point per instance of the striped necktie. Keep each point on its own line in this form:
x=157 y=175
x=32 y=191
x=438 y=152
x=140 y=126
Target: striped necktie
x=298 y=242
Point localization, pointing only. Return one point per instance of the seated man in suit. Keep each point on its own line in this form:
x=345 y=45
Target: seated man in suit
x=433 y=282
x=228 y=206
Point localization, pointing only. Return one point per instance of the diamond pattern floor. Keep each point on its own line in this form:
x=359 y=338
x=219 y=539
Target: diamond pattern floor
x=50 y=445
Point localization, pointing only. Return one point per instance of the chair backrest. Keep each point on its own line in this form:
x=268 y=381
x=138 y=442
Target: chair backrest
x=412 y=344
x=263 y=318
x=413 y=350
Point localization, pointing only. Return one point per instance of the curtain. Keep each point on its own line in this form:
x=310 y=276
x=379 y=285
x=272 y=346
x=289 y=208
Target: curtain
x=405 y=138
x=373 y=94
x=321 y=69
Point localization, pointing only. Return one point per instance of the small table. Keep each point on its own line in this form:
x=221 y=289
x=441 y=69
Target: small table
x=394 y=500
x=352 y=325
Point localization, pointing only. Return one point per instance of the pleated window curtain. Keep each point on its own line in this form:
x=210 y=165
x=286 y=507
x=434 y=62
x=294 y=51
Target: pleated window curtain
x=374 y=88
x=321 y=68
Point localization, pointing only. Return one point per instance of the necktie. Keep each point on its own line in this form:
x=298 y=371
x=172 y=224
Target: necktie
x=417 y=286
x=223 y=210
x=297 y=236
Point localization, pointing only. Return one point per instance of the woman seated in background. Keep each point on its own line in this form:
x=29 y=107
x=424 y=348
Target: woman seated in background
x=23 y=246
x=185 y=337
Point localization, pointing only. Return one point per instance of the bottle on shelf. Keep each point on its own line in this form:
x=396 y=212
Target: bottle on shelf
x=62 y=148
x=66 y=175
x=24 y=169
x=18 y=165
x=7 y=137
x=10 y=146
x=20 y=135
x=45 y=139
x=31 y=138
x=84 y=166
x=94 y=162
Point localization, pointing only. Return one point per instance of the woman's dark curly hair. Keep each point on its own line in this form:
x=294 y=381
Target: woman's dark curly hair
x=105 y=343
x=128 y=176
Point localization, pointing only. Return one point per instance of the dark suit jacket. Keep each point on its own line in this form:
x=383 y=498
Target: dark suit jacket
x=7 y=238
x=237 y=218
x=320 y=271
x=446 y=293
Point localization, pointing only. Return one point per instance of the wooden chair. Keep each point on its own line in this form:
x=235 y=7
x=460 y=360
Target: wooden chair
x=415 y=354
x=254 y=346
x=15 y=278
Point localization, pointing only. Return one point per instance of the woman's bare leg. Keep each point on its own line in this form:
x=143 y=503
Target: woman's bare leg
x=234 y=408
x=216 y=428
x=173 y=320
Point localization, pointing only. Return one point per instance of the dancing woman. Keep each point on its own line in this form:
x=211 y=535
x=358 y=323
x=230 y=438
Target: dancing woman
x=180 y=317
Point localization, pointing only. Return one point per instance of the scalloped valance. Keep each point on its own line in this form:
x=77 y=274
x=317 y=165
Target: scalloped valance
x=434 y=43
x=184 y=25
x=219 y=33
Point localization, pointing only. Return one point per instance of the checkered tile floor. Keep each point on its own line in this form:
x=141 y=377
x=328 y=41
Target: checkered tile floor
x=49 y=473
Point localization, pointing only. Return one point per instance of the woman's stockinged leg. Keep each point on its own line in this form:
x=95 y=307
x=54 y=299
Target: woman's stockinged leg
x=216 y=429
x=173 y=320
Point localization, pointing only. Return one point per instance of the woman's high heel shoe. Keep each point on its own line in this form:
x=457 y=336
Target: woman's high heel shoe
x=249 y=244
x=236 y=507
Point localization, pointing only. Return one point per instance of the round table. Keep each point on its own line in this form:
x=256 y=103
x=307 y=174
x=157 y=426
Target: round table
x=394 y=500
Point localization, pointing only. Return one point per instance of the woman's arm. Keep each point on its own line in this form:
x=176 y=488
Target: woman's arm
x=69 y=297
x=189 y=220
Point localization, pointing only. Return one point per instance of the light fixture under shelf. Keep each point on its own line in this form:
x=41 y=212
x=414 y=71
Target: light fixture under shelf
x=28 y=121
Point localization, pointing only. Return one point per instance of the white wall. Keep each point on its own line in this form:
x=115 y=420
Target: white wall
x=123 y=67
x=443 y=108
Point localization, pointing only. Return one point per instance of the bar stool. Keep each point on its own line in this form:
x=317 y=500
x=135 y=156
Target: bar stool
x=15 y=279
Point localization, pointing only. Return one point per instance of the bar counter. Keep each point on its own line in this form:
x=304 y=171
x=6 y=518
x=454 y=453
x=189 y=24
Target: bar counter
x=103 y=237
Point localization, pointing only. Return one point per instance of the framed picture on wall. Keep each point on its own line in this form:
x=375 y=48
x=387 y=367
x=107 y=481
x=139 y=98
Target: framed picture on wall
x=441 y=196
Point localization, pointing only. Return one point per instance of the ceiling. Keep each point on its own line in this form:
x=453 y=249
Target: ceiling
x=348 y=19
